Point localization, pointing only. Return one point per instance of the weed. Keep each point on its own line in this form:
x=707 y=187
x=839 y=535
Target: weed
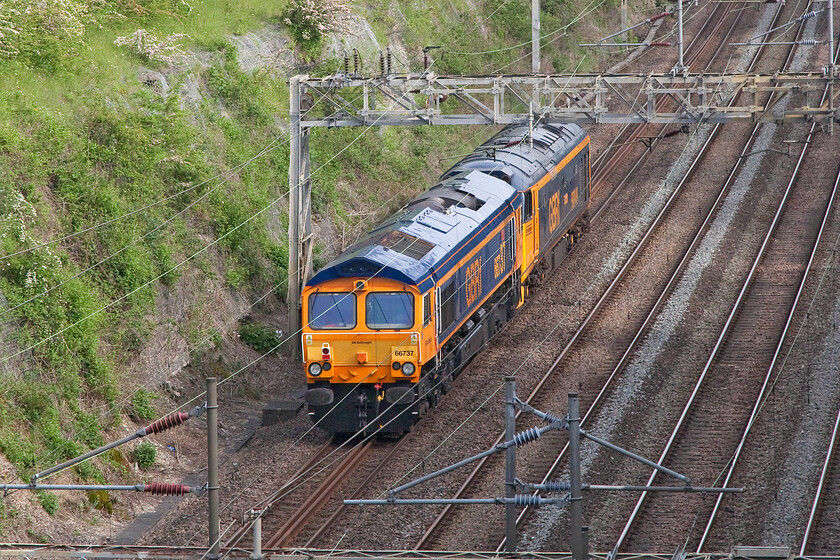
x=48 y=501
x=144 y=455
x=260 y=338
x=101 y=500
x=141 y=406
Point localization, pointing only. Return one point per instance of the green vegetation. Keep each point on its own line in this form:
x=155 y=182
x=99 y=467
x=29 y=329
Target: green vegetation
x=144 y=455
x=260 y=338
x=48 y=501
x=141 y=405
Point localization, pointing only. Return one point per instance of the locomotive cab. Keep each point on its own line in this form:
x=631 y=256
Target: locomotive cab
x=362 y=353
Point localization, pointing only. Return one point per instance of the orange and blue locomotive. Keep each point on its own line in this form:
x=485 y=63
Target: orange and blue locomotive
x=391 y=321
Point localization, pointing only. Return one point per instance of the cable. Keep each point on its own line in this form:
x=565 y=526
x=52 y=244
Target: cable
x=270 y=147
x=586 y=11
x=178 y=265
x=440 y=381
x=206 y=339
x=136 y=240
x=357 y=384
x=228 y=172
x=205 y=248
x=6 y=359
x=547 y=35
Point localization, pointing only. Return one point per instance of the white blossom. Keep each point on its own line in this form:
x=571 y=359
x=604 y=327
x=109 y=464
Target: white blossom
x=322 y=16
x=149 y=46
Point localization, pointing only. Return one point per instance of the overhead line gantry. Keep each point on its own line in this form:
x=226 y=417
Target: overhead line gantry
x=429 y=99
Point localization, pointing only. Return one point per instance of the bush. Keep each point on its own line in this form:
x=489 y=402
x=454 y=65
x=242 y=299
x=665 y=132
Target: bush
x=48 y=501
x=141 y=406
x=310 y=21
x=144 y=455
x=260 y=338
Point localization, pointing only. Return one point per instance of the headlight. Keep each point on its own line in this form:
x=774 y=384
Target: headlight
x=327 y=366
x=408 y=368
x=314 y=369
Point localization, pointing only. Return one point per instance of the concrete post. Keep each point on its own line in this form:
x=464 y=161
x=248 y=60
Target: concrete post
x=624 y=34
x=510 y=464
x=294 y=288
x=257 y=553
x=535 y=36
x=300 y=212
x=680 y=63
x=213 y=469
x=831 y=62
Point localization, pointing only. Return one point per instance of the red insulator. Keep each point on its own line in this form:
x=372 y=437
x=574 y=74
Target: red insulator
x=659 y=16
x=166 y=489
x=512 y=143
x=659 y=44
x=174 y=419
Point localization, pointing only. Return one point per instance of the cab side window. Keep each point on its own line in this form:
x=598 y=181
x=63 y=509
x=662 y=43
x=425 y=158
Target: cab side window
x=528 y=211
x=447 y=306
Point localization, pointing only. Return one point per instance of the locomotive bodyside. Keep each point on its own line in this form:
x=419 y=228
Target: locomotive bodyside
x=398 y=292
x=396 y=316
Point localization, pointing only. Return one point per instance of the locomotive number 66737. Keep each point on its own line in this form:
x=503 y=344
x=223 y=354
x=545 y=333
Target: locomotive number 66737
x=391 y=321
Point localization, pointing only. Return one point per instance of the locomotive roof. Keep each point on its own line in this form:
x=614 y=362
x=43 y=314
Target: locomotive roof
x=510 y=155
x=415 y=245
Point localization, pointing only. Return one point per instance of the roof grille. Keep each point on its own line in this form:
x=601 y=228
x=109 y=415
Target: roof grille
x=406 y=244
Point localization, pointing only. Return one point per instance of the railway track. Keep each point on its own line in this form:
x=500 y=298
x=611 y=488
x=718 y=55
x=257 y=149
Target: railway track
x=822 y=527
x=716 y=412
x=276 y=504
x=292 y=511
x=627 y=141
x=714 y=418
x=428 y=540
x=320 y=495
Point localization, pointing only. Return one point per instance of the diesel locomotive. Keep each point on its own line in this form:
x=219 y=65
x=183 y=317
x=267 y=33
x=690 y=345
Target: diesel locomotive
x=391 y=321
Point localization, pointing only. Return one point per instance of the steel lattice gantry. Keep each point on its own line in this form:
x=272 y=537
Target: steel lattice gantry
x=427 y=99
x=584 y=98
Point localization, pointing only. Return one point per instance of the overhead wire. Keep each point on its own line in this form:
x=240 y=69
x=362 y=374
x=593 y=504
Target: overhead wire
x=480 y=406
x=357 y=384
x=273 y=145
x=127 y=398
x=175 y=267
x=226 y=174
x=202 y=249
x=551 y=332
x=216 y=241
x=475 y=411
x=586 y=11
x=432 y=388
x=524 y=43
x=528 y=357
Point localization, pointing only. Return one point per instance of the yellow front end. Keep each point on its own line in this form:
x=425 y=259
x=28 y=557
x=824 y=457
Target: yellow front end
x=362 y=354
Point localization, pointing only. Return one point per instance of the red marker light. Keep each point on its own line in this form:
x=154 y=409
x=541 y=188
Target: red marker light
x=325 y=352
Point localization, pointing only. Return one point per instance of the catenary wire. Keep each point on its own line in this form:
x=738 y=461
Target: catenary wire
x=205 y=248
x=209 y=337
x=311 y=428
x=273 y=145
x=224 y=174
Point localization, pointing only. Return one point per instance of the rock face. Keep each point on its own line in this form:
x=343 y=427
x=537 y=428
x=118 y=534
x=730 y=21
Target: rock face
x=154 y=81
x=361 y=37
x=268 y=47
